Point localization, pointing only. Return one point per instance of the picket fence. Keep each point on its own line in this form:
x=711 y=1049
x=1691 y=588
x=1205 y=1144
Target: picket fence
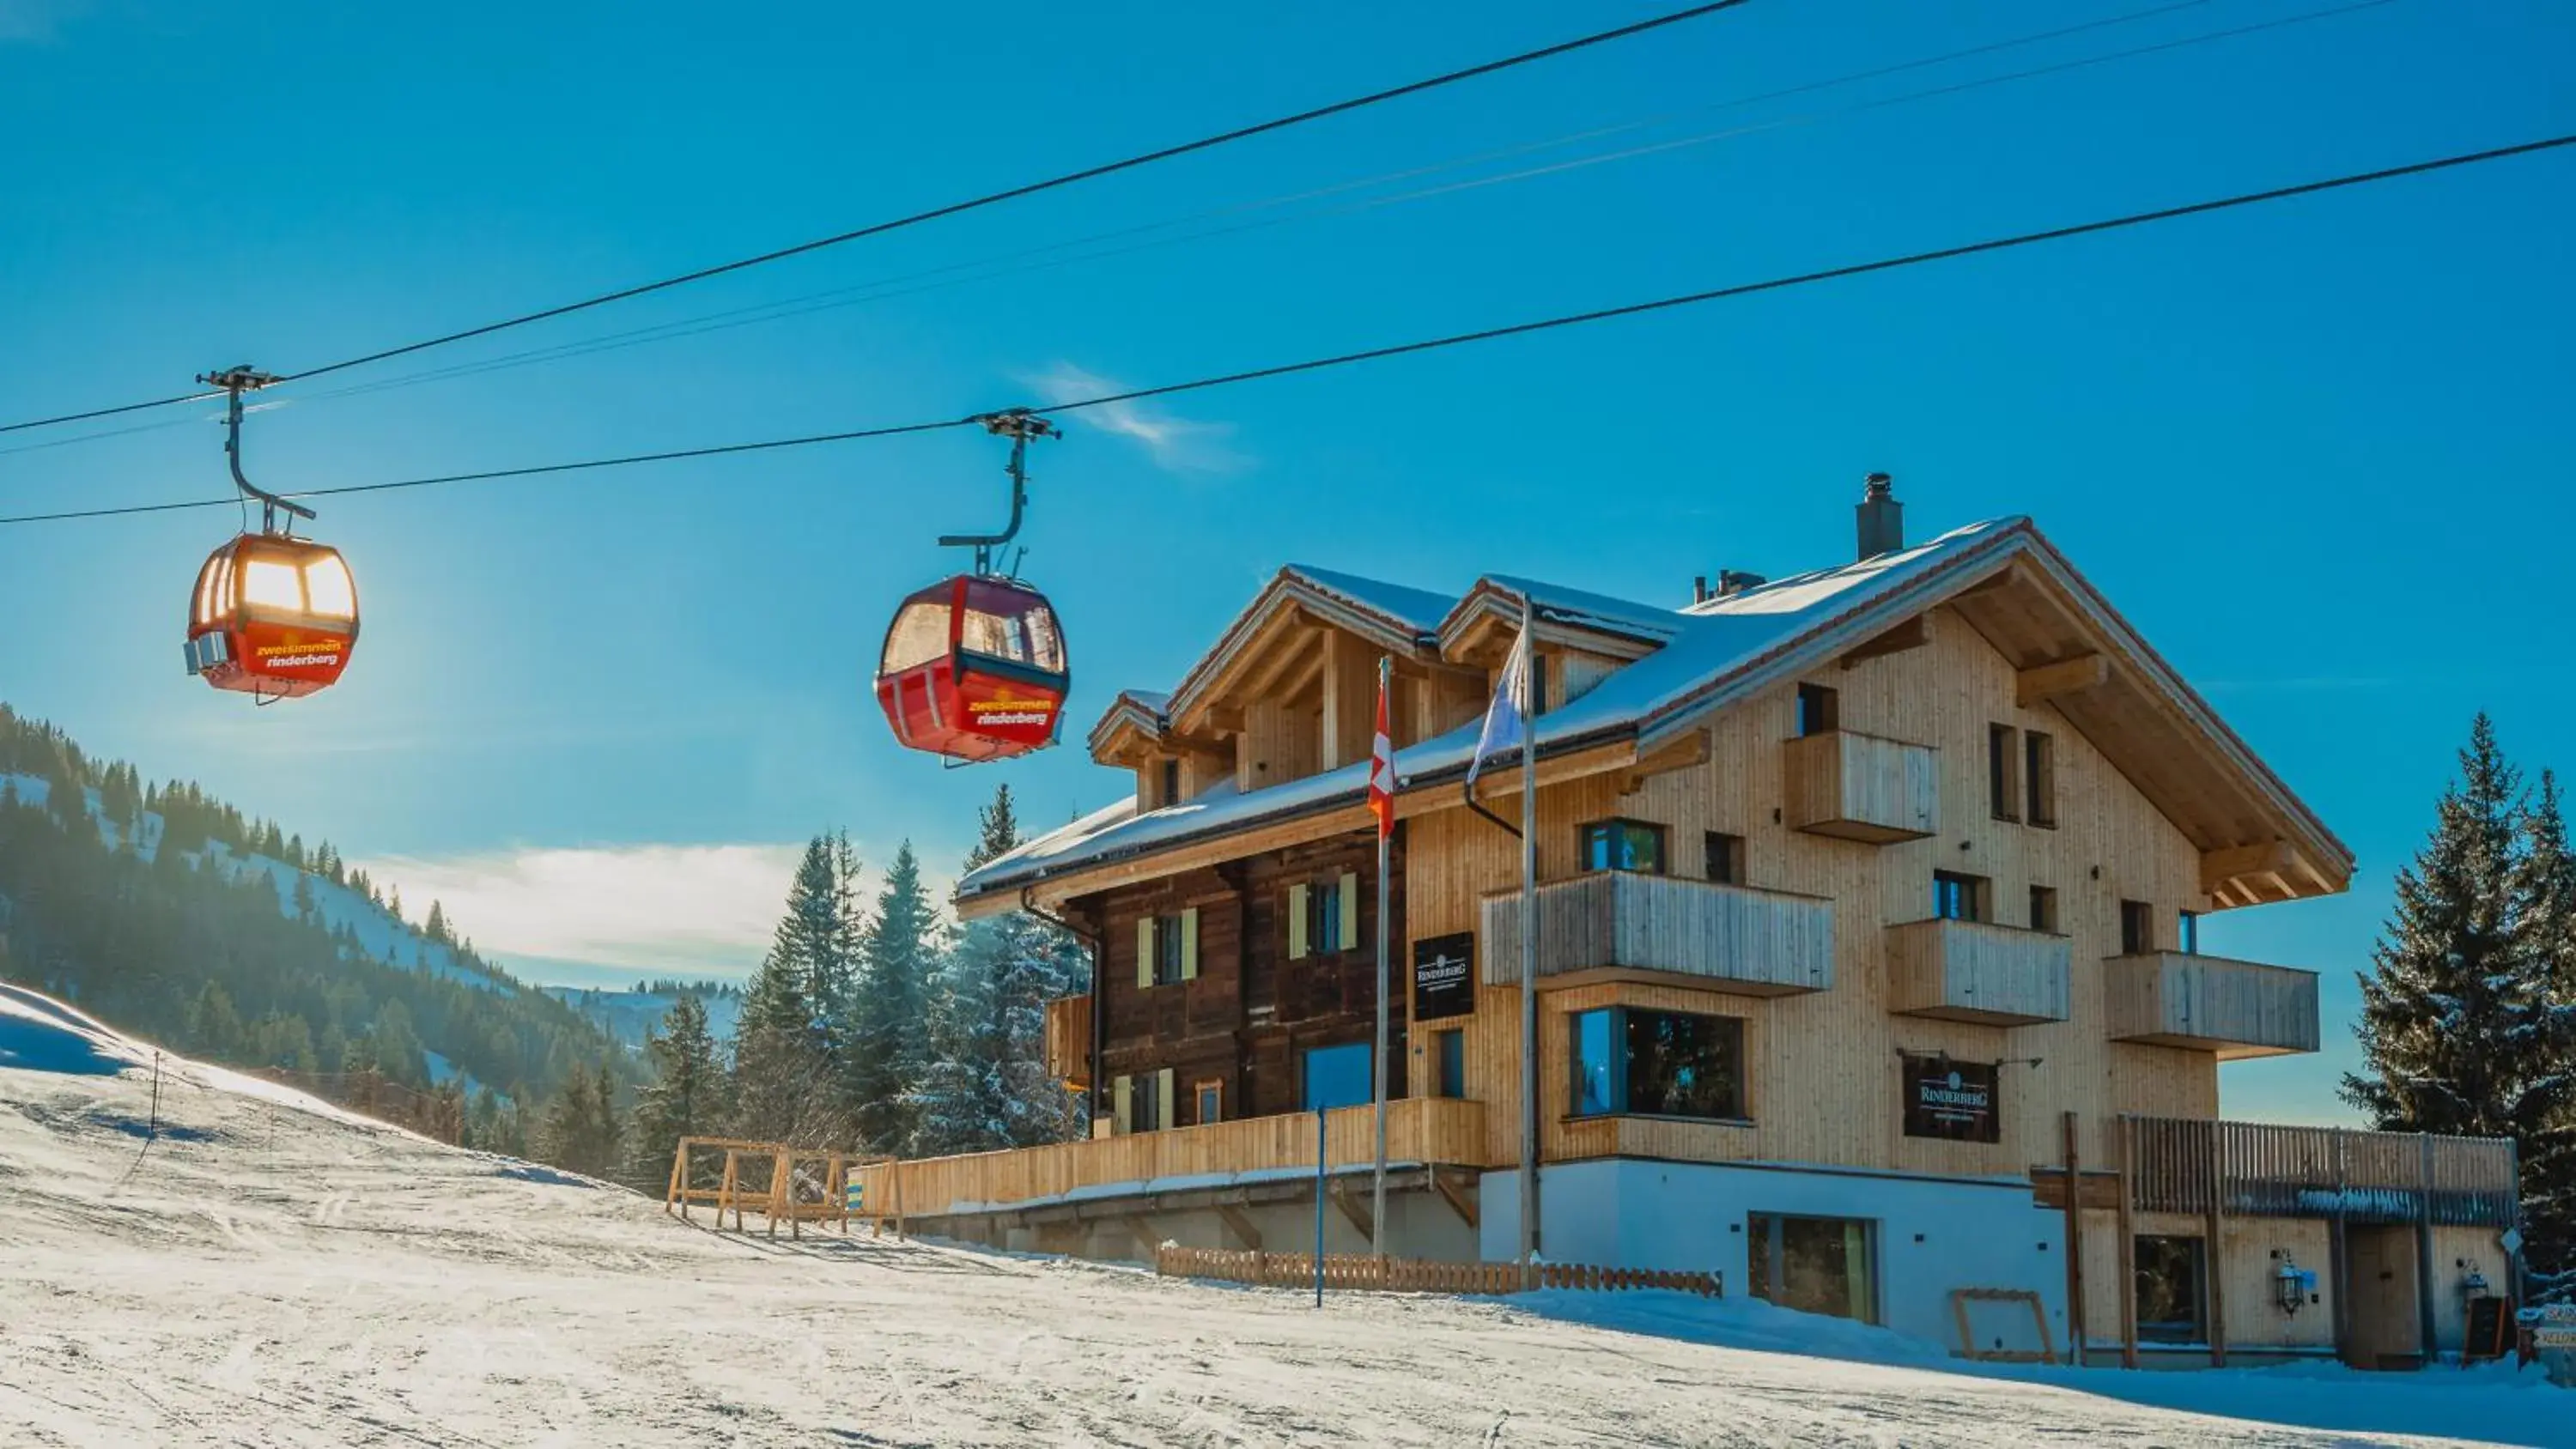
x=1367 y=1272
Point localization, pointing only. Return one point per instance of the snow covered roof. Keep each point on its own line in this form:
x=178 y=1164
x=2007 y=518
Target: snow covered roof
x=1419 y=610
x=1706 y=657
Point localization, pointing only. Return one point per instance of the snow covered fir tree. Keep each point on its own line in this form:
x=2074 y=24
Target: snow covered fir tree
x=2468 y=1022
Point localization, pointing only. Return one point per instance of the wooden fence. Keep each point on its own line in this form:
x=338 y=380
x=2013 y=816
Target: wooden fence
x=781 y=1182
x=1366 y=1272
x=1436 y=1130
x=2259 y=1169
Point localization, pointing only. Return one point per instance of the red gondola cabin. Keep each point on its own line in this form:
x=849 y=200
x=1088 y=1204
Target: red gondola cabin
x=273 y=616
x=974 y=669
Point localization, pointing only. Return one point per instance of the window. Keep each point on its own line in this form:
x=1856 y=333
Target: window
x=2171 y=1290
x=1211 y=1101
x=2187 y=932
x=2043 y=909
x=1324 y=916
x=329 y=588
x=1657 y=1064
x=919 y=635
x=1818 y=711
x=1624 y=845
x=2137 y=928
x=1725 y=858
x=1142 y=1103
x=269 y=584
x=1957 y=897
x=2042 y=778
x=2003 y=772
x=1336 y=1076
x=1167 y=949
x=1171 y=783
x=1449 y=1048
x=1814 y=1265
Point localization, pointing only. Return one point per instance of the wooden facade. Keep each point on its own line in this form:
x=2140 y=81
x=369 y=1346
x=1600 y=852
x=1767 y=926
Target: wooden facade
x=1974 y=830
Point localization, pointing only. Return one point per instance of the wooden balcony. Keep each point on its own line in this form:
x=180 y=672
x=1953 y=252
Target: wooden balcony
x=1974 y=971
x=2209 y=1003
x=1068 y=1041
x=1618 y=925
x=2260 y=1169
x=1421 y=1131
x=1861 y=787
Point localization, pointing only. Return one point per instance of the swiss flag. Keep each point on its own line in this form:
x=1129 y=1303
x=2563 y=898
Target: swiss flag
x=1381 y=789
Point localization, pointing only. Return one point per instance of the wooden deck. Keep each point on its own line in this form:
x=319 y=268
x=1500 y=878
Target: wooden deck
x=2262 y=1169
x=1441 y=1131
x=1623 y=925
x=2234 y=1008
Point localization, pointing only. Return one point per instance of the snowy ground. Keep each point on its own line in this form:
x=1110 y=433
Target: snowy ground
x=271 y=1273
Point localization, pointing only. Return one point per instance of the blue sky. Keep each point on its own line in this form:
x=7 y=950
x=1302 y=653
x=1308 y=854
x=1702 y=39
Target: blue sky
x=2317 y=452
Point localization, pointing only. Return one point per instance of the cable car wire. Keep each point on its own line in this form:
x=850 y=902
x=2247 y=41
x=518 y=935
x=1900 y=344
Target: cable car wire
x=954 y=208
x=1455 y=339
x=1053 y=254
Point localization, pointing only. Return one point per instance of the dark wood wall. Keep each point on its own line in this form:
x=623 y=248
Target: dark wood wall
x=1251 y=1011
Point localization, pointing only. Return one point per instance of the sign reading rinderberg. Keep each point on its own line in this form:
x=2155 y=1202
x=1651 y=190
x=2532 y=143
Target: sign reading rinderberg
x=1951 y=1099
x=1444 y=976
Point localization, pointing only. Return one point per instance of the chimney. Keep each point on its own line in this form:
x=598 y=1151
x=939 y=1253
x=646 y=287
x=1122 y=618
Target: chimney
x=1736 y=581
x=1699 y=589
x=1881 y=517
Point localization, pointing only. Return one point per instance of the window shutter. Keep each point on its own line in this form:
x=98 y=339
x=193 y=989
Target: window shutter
x=1163 y=1098
x=1124 y=1094
x=1350 y=912
x=1190 y=944
x=1145 y=952
x=1297 y=922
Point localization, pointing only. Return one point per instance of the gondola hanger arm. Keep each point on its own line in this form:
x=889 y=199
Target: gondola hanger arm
x=235 y=381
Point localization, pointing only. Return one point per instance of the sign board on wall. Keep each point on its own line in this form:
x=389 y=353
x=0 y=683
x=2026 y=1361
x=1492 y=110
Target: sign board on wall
x=1950 y=1099
x=1444 y=976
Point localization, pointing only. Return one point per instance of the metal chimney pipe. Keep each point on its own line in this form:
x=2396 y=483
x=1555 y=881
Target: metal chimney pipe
x=1880 y=518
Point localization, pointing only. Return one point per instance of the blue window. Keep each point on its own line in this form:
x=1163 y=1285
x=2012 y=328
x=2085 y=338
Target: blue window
x=1596 y=1063
x=1657 y=1064
x=1337 y=1076
x=1624 y=845
x=1452 y=1046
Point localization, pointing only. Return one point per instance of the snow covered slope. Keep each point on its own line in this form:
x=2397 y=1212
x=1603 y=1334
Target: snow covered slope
x=267 y=1271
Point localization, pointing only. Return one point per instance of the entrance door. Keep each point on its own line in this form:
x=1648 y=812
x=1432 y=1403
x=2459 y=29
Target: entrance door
x=1815 y=1265
x=2382 y=1328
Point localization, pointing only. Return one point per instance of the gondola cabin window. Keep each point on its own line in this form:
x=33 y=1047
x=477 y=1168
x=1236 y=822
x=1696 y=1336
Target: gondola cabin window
x=1629 y=1061
x=1624 y=845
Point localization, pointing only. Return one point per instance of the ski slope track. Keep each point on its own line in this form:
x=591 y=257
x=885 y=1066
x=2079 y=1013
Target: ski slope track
x=267 y=1270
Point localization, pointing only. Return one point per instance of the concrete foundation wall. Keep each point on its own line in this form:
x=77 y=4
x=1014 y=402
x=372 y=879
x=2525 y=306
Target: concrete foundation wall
x=1932 y=1234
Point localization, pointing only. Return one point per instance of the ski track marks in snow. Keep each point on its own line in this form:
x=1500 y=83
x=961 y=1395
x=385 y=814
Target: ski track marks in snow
x=278 y=1274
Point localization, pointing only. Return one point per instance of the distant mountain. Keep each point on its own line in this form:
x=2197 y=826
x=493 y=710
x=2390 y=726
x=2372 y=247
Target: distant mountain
x=626 y=1015
x=176 y=917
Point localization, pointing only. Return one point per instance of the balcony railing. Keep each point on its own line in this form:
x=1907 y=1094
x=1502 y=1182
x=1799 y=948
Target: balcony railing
x=1068 y=1040
x=2260 y=1169
x=1621 y=924
x=1430 y=1131
x=1974 y=971
x=1861 y=787
x=2233 y=1008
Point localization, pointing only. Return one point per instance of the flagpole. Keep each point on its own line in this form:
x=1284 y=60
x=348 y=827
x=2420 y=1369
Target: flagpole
x=1377 y=1206
x=1529 y=949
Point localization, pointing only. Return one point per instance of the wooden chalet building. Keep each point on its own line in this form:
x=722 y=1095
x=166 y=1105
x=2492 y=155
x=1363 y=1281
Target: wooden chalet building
x=1870 y=907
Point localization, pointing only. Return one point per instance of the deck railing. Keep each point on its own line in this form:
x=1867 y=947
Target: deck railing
x=1978 y=971
x=2234 y=1008
x=2260 y=1169
x=1446 y=1131
x=1729 y=937
x=1860 y=787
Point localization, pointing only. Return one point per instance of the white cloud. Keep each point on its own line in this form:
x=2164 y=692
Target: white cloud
x=36 y=20
x=1177 y=444
x=647 y=909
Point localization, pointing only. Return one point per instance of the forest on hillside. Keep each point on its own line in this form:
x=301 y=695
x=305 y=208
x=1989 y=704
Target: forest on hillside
x=149 y=906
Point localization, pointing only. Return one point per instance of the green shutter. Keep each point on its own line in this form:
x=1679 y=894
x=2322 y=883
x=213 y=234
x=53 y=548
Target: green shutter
x=1350 y=912
x=1297 y=945
x=1190 y=944
x=1145 y=952
x=1123 y=1094
x=1163 y=1098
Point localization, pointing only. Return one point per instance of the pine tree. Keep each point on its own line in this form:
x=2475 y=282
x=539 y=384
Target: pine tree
x=581 y=1129
x=783 y=1082
x=960 y=1103
x=1017 y=964
x=2546 y=932
x=684 y=1099
x=893 y=1047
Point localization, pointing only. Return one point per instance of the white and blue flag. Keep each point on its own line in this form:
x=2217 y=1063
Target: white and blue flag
x=1506 y=719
